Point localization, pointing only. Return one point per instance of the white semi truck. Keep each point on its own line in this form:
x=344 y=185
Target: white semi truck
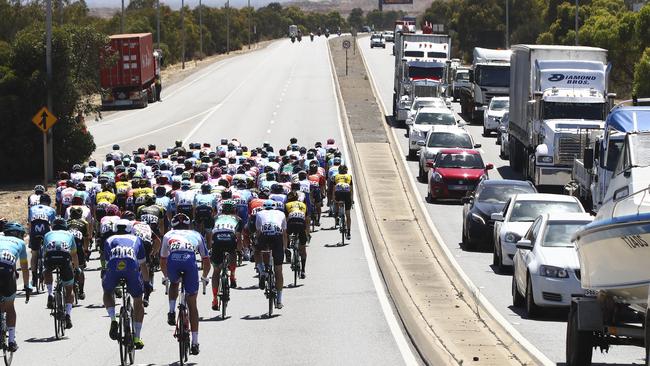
x=558 y=96
x=489 y=77
x=421 y=68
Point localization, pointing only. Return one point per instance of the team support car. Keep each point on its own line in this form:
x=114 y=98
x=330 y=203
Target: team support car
x=454 y=172
x=493 y=114
x=546 y=266
x=489 y=197
x=421 y=124
x=518 y=214
x=377 y=40
x=442 y=137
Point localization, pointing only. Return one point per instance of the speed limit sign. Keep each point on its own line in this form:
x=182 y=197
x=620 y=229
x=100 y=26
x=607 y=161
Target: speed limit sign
x=346 y=44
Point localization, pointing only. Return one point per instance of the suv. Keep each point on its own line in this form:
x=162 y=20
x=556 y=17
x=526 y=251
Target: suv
x=377 y=40
x=421 y=102
x=492 y=116
x=442 y=137
x=421 y=124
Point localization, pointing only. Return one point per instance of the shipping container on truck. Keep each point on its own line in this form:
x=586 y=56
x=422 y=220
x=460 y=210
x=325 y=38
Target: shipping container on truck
x=128 y=72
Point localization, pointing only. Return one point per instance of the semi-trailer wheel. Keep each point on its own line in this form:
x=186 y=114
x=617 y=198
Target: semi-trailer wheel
x=579 y=344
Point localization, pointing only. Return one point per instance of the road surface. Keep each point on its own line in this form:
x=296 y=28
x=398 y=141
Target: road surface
x=335 y=316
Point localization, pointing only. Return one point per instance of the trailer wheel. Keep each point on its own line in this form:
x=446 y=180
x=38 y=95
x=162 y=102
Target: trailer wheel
x=579 y=344
x=647 y=338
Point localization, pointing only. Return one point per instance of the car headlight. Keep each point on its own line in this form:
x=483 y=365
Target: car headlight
x=512 y=237
x=552 y=271
x=478 y=218
x=407 y=87
x=436 y=177
x=545 y=159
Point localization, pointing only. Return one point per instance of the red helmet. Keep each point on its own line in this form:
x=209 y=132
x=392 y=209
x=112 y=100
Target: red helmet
x=112 y=210
x=330 y=141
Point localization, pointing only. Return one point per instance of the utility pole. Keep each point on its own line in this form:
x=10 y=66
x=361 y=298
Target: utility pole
x=577 y=9
x=381 y=5
x=48 y=150
x=228 y=27
x=200 y=30
x=60 y=12
x=250 y=14
x=158 y=23
x=507 y=25
x=183 y=34
x=122 y=19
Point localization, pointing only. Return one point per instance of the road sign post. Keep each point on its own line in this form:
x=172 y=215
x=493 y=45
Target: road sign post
x=44 y=119
x=346 y=45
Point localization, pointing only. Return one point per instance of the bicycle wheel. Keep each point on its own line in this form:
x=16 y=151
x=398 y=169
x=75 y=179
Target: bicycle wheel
x=271 y=291
x=343 y=229
x=295 y=266
x=122 y=337
x=225 y=295
x=131 y=338
x=61 y=311
x=182 y=342
x=8 y=356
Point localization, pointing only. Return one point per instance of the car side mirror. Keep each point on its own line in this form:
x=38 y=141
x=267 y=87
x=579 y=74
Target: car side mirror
x=489 y=166
x=466 y=199
x=461 y=123
x=524 y=244
x=420 y=143
x=477 y=146
x=497 y=216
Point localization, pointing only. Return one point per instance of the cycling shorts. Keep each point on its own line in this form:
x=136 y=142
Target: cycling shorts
x=219 y=249
x=274 y=243
x=345 y=197
x=316 y=195
x=204 y=216
x=297 y=226
x=81 y=254
x=185 y=209
x=127 y=269
x=63 y=261
x=178 y=262
x=37 y=230
x=7 y=283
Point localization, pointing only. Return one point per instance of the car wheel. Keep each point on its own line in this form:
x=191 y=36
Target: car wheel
x=532 y=309
x=486 y=133
x=430 y=198
x=422 y=175
x=412 y=154
x=495 y=257
x=517 y=299
x=467 y=243
x=498 y=142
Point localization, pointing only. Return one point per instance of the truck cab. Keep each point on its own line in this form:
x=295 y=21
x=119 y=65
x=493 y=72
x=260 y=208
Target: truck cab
x=489 y=77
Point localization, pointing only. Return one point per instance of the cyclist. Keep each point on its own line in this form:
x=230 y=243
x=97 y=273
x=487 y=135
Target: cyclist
x=226 y=237
x=111 y=214
x=153 y=215
x=297 y=224
x=40 y=219
x=343 y=193
x=271 y=225
x=177 y=255
x=12 y=249
x=332 y=171
x=317 y=181
x=60 y=251
x=126 y=261
x=205 y=208
x=106 y=195
x=34 y=199
x=81 y=230
x=184 y=199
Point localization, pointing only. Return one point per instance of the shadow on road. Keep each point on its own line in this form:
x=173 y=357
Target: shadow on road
x=44 y=340
x=259 y=317
x=216 y=318
x=337 y=245
x=548 y=314
x=506 y=272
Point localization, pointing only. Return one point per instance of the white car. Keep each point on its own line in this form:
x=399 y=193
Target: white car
x=389 y=36
x=518 y=214
x=442 y=137
x=421 y=102
x=421 y=124
x=492 y=116
x=546 y=266
x=377 y=40
x=502 y=138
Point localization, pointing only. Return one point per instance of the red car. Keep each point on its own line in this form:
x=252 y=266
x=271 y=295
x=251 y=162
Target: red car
x=454 y=172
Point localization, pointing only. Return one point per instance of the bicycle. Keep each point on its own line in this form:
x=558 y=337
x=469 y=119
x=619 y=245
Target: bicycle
x=39 y=284
x=313 y=220
x=224 y=285
x=341 y=218
x=295 y=257
x=126 y=326
x=7 y=355
x=270 y=292
x=58 y=312
x=182 y=331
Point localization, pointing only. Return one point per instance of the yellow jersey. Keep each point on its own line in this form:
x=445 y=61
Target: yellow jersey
x=296 y=210
x=105 y=196
x=142 y=192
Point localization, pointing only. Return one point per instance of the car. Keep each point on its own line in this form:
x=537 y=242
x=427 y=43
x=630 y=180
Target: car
x=489 y=197
x=502 y=139
x=461 y=80
x=366 y=29
x=377 y=40
x=442 y=137
x=420 y=102
x=389 y=36
x=454 y=173
x=492 y=116
x=515 y=219
x=546 y=266
x=424 y=119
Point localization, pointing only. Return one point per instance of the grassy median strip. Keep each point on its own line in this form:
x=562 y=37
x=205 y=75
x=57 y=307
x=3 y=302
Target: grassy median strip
x=439 y=321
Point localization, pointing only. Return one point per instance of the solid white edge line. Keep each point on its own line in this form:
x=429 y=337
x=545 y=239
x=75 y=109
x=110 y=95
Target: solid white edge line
x=476 y=292
x=395 y=329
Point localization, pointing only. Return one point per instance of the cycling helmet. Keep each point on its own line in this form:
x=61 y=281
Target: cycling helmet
x=123 y=226
x=161 y=191
x=14 y=229
x=128 y=215
x=295 y=186
x=45 y=199
x=81 y=186
x=112 y=210
x=88 y=177
x=223 y=182
x=331 y=141
x=39 y=189
x=224 y=141
x=241 y=183
x=185 y=184
x=302 y=175
x=78 y=198
x=226 y=194
x=343 y=169
x=149 y=200
x=269 y=205
x=186 y=176
x=205 y=188
x=199 y=178
x=76 y=213
x=152 y=147
x=293 y=140
x=318 y=144
x=292 y=196
x=337 y=154
x=116 y=147
x=59 y=223
x=228 y=207
x=310 y=155
x=180 y=220
x=337 y=161
x=277 y=189
x=266 y=144
x=76 y=168
x=92 y=163
x=178 y=143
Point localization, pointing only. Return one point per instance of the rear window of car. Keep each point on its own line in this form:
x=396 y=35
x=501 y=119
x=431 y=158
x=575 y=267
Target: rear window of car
x=448 y=139
x=434 y=118
x=558 y=234
x=501 y=193
x=459 y=160
x=529 y=210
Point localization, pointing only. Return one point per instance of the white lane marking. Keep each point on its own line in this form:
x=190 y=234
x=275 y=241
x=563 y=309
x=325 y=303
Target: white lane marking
x=156 y=130
x=487 y=305
x=395 y=329
x=202 y=121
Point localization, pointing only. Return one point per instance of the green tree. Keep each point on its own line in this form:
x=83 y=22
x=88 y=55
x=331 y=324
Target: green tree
x=355 y=19
x=642 y=75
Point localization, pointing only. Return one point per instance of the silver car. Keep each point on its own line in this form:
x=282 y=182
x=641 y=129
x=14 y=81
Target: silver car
x=377 y=40
x=389 y=36
x=502 y=137
x=422 y=123
x=442 y=137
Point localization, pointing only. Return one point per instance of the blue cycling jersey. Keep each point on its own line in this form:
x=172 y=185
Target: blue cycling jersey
x=59 y=241
x=12 y=250
x=124 y=247
x=41 y=212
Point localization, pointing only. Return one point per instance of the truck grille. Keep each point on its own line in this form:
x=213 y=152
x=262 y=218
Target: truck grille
x=569 y=147
x=425 y=91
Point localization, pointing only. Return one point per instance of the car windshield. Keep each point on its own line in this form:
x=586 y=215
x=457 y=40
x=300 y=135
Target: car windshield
x=499 y=105
x=435 y=73
x=459 y=160
x=413 y=53
x=560 y=110
x=464 y=76
x=437 y=55
x=529 y=210
x=640 y=149
x=497 y=76
x=448 y=139
x=435 y=118
x=423 y=103
x=558 y=234
x=501 y=193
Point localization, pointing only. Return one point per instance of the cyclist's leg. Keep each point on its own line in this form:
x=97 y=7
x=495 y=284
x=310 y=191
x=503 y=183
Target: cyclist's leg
x=216 y=257
x=348 y=207
x=278 y=257
x=135 y=287
x=191 y=285
x=303 y=248
x=7 y=296
x=67 y=278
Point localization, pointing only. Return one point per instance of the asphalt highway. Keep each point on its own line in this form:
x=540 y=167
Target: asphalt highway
x=547 y=333
x=338 y=315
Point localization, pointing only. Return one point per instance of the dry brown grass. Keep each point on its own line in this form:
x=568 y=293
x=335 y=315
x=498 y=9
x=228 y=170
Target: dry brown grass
x=13 y=200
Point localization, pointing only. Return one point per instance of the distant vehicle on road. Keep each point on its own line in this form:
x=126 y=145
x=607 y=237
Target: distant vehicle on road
x=460 y=81
x=502 y=137
x=492 y=117
x=546 y=266
x=518 y=214
x=128 y=71
x=377 y=40
x=454 y=172
x=389 y=36
x=366 y=29
x=489 y=197
x=442 y=137
x=421 y=102
x=422 y=123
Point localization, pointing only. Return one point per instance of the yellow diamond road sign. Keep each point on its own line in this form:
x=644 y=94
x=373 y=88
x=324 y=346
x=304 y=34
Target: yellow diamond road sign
x=44 y=119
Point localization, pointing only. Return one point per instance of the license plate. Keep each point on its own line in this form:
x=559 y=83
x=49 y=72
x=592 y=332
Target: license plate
x=591 y=293
x=458 y=187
